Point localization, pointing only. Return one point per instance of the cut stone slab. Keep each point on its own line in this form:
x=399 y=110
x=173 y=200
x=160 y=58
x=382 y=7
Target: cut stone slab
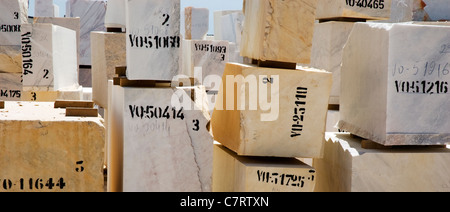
x=10 y=86
x=13 y=13
x=394 y=88
x=346 y=167
x=164 y=147
x=49 y=57
x=233 y=173
x=196 y=23
x=228 y=25
x=272 y=112
x=357 y=9
x=69 y=23
x=10 y=59
x=205 y=61
x=108 y=51
x=74 y=93
x=44 y=151
x=278 y=30
x=328 y=45
x=115 y=14
x=153 y=39
x=92 y=18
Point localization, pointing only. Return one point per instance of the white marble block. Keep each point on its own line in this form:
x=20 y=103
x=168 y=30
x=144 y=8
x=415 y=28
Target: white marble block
x=45 y=151
x=10 y=59
x=49 y=57
x=347 y=167
x=233 y=173
x=13 y=13
x=10 y=86
x=108 y=51
x=196 y=23
x=153 y=39
x=92 y=18
x=272 y=112
x=431 y=10
x=395 y=84
x=328 y=45
x=164 y=147
x=360 y=9
x=115 y=16
x=278 y=30
x=205 y=61
x=44 y=8
x=69 y=23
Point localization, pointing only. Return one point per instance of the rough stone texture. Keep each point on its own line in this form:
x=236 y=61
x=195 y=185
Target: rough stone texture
x=10 y=86
x=153 y=39
x=255 y=117
x=346 y=167
x=10 y=59
x=233 y=173
x=13 y=13
x=394 y=94
x=278 y=30
x=38 y=142
x=196 y=23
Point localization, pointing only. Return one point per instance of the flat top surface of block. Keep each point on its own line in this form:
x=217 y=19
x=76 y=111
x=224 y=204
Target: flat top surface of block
x=352 y=144
x=38 y=111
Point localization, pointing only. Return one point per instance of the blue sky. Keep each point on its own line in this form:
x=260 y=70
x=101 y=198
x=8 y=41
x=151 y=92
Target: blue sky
x=212 y=5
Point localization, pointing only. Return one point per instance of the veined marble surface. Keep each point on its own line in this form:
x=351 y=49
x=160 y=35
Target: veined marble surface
x=92 y=18
x=13 y=13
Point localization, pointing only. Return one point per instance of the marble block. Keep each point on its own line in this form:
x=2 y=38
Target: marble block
x=164 y=147
x=228 y=25
x=272 y=112
x=115 y=14
x=233 y=173
x=369 y=10
x=10 y=59
x=10 y=86
x=69 y=23
x=394 y=88
x=278 y=30
x=328 y=45
x=73 y=93
x=44 y=8
x=108 y=51
x=196 y=23
x=153 y=39
x=45 y=151
x=13 y=13
x=49 y=57
x=92 y=18
x=431 y=10
x=205 y=61
x=347 y=167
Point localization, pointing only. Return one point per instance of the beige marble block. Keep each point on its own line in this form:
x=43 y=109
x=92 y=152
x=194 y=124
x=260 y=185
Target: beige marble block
x=328 y=45
x=233 y=173
x=278 y=30
x=360 y=9
x=10 y=86
x=108 y=51
x=10 y=59
x=394 y=88
x=272 y=112
x=346 y=167
x=44 y=151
